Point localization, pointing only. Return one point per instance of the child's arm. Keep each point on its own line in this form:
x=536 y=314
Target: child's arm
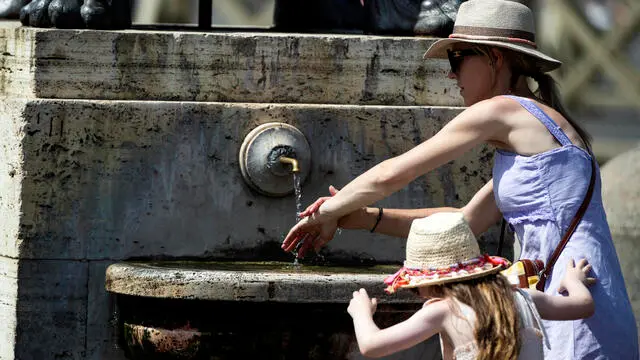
x=375 y=342
x=577 y=304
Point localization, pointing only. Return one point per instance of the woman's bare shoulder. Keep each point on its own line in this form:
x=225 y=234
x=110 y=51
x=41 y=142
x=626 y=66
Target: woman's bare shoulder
x=495 y=108
x=501 y=104
x=491 y=117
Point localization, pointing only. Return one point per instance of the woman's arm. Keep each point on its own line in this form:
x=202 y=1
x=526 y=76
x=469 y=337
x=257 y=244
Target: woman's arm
x=577 y=304
x=394 y=222
x=477 y=124
x=481 y=212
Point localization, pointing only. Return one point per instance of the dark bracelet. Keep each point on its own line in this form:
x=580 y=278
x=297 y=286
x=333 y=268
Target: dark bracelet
x=377 y=219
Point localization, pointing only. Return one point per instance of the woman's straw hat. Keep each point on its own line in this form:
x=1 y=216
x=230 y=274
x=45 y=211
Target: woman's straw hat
x=502 y=23
x=441 y=248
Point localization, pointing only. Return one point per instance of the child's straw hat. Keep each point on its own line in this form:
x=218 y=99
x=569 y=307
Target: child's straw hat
x=441 y=248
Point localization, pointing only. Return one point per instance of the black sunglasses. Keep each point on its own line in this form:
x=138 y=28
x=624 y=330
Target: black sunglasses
x=457 y=56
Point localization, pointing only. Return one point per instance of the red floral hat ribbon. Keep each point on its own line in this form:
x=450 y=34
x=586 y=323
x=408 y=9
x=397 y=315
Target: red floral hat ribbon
x=409 y=277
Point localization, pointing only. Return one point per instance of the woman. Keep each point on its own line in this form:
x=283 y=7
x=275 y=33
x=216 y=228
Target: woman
x=541 y=173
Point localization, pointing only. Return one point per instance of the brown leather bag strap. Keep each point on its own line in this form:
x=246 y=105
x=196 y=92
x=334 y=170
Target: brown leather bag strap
x=503 y=228
x=574 y=224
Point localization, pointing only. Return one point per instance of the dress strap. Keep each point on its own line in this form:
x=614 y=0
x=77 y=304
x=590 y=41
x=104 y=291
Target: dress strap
x=545 y=119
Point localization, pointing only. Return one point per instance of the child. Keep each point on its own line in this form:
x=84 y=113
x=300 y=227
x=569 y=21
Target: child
x=476 y=311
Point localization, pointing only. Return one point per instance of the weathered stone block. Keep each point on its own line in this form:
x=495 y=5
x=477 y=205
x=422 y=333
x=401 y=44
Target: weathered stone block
x=8 y=305
x=16 y=69
x=222 y=66
x=101 y=332
x=146 y=165
x=51 y=310
x=11 y=175
x=113 y=180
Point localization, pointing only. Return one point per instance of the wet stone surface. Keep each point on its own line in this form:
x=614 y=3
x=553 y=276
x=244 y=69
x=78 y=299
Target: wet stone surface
x=250 y=281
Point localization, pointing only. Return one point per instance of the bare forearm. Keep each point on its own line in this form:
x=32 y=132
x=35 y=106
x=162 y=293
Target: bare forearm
x=376 y=184
x=479 y=123
x=581 y=300
x=577 y=305
x=397 y=222
x=365 y=328
x=394 y=222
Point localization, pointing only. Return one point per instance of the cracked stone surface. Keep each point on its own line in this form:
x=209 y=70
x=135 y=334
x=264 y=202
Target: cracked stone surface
x=124 y=144
x=222 y=67
x=177 y=280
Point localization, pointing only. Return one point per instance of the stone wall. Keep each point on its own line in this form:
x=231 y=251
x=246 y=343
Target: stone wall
x=124 y=144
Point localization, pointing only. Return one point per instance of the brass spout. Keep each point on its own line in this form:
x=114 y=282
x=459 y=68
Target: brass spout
x=288 y=160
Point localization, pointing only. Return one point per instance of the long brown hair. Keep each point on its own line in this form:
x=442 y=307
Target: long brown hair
x=497 y=329
x=547 y=92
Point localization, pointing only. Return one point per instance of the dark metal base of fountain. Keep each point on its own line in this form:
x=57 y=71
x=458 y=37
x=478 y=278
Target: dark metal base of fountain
x=382 y=17
x=397 y=17
x=151 y=328
x=77 y=14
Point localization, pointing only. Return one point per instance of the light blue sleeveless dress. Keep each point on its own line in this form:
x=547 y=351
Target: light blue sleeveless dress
x=539 y=196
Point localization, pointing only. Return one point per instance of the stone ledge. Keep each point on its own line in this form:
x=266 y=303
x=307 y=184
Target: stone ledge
x=177 y=281
x=221 y=66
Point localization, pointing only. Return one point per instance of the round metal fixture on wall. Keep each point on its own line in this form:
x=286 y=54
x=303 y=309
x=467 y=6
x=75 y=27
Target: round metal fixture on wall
x=270 y=154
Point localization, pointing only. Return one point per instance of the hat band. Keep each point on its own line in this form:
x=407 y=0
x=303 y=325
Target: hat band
x=494 y=34
x=408 y=276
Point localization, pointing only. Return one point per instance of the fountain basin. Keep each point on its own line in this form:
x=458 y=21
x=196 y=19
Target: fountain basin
x=233 y=310
x=250 y=281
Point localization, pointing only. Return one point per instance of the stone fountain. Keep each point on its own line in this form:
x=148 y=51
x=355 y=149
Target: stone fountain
x=135 y=213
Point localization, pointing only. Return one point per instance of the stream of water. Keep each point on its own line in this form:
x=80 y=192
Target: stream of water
x=298 y=195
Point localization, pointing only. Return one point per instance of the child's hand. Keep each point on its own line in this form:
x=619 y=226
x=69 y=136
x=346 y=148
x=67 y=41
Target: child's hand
x=576 y=274
x=361 y=304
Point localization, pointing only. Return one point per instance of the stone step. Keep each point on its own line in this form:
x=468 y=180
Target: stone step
x=262 y=67
x=95 y=179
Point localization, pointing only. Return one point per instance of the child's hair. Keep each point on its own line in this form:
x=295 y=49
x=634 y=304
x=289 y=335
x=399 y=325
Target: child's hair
x=497 y=322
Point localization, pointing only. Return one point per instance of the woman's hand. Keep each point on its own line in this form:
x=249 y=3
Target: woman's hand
x=361 y=304
x=354 y=220
x=313 y=231
x=316 y=204
x=575 y=274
